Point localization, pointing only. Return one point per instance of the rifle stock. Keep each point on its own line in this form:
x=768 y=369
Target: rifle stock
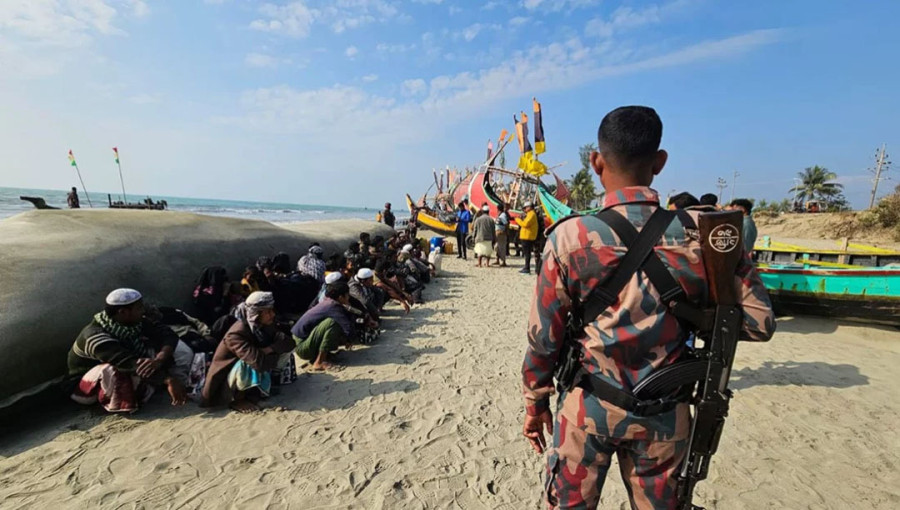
x=720 y=237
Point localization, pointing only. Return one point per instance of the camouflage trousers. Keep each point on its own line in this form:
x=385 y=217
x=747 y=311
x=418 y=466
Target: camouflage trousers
x=578 y=462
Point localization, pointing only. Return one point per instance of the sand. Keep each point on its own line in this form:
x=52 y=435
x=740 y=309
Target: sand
x=430 y=417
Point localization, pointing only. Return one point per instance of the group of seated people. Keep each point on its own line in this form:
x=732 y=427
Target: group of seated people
x=245 y=335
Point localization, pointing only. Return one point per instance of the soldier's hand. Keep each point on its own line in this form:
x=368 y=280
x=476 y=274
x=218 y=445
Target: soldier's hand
x=534 y=430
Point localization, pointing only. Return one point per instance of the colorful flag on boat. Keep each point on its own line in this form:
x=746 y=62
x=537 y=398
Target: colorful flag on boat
x=539 y=145
x=525 y=150
x=490 y=151
x=72 y=159
x=116 y=151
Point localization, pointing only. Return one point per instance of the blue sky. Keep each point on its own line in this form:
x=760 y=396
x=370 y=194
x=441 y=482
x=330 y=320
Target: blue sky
x=353 y=102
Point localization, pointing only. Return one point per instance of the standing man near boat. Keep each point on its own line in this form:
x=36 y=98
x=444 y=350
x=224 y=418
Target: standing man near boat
x=633 y=337
x=387 y=216
x=463 y=217
x=749 y=230
x=528 y=234
x=72 y=199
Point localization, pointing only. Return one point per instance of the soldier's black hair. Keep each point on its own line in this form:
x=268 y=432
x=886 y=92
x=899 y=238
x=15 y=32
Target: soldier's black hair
x=709 y=199
x=743 y=203
x=630 y=135
x=683 y=200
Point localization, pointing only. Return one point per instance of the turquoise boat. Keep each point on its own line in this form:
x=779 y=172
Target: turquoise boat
x=865 y=294
x=554 y=209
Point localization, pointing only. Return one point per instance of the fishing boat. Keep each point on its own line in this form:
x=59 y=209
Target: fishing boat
x=843 y=254
x=147 y=204
x=870 y=295
x=427 y=217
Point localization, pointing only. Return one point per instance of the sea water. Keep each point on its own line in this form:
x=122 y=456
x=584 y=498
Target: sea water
x=10 y=204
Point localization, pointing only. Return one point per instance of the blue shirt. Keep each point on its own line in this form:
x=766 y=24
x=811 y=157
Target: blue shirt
x=462 y=221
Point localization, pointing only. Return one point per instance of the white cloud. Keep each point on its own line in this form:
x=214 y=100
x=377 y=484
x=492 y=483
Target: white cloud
x=296 y=19
x=459 y=97
x=434 y=2
x=491 y=5
x=59 y=24
x=394 y=48
x=558 y=5
x=351 y=51
x=625 y=18
x=293 y=19
x=139 y=9
x=41 y=38
x=471 y=32
x=261 y=60
x=518 y=20
x=454 y=10
x=369 y=78
x=143 y=99
x=414 y=87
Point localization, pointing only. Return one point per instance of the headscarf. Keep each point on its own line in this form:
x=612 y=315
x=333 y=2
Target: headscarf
x=250 y=310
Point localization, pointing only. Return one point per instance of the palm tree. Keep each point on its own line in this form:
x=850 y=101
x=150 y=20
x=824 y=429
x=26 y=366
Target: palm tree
x=581 y=186
x=816 y=184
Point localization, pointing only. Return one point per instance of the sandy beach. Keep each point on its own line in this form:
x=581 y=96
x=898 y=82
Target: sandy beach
x=430 y=417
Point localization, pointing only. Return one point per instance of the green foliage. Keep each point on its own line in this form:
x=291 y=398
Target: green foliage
x=582 y=190
x=772 y=208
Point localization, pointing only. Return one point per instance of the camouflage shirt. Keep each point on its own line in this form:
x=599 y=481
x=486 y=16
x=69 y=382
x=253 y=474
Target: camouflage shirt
x=633 y=337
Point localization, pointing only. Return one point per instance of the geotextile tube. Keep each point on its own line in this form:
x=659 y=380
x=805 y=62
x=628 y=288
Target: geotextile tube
x=56 y=268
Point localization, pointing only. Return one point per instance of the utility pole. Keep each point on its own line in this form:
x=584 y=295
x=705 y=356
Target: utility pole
x=721 y=184
x=734 y=182
x=881 y=165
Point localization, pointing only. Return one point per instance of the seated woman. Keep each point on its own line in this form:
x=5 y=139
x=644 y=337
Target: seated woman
x=240 y=373
x=121 y=356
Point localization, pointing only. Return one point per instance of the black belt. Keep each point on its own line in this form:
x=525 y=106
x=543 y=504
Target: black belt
x=621 y=398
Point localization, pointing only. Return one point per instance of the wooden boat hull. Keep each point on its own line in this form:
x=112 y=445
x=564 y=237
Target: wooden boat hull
x=773 y=252
x=870 y=295
x=425 y=219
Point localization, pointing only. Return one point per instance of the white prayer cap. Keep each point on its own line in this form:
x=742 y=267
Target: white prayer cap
x=365 y=273
x=260 y=299
x=527 y=204
x=485 y=208
x=332 y=277
x=317 y=250
x=123 y=297
x=408 y=248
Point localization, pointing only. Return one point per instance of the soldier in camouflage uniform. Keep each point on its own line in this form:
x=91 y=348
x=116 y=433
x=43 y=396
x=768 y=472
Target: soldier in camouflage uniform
x=628 y=341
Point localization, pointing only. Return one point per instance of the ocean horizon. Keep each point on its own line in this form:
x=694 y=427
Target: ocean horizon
x=275 y=212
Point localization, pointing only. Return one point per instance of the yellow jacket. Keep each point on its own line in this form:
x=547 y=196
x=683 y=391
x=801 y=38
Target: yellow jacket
x=529 y=226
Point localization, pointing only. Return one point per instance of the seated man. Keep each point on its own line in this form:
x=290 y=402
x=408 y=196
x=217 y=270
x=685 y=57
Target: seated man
x=324 y=327
x=193 y=332
x=240 y=372
x=388 y=282
x=313 y=264
x=362 y=287
x=121 y=356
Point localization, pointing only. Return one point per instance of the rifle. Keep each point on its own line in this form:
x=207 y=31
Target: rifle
x=720 y=236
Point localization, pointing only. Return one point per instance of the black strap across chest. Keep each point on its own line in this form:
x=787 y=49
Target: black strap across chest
x=640 y=255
